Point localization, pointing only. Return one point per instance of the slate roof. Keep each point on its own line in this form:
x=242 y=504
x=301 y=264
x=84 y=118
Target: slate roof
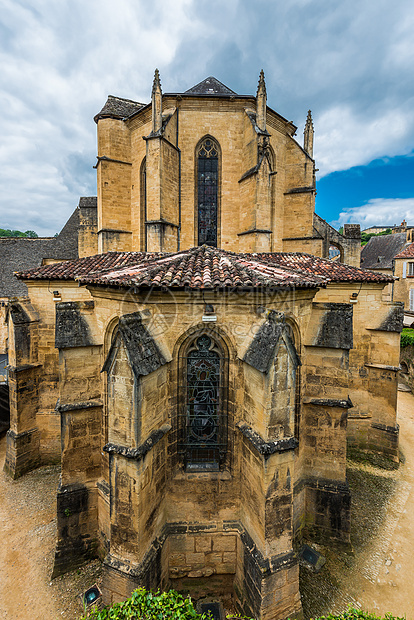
x=407 y=252
x=117 y=107
x=210 y=86
x=205 y=268
x=18 y=253
x=88 y=201
x=379 y=252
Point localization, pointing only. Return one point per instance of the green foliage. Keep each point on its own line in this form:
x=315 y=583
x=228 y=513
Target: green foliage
x=144 y=605
x=6 y=232
x=407 y=337
x=365 y=237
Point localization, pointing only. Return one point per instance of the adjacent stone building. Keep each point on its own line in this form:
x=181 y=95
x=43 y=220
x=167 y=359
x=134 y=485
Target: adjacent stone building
x=205 y=361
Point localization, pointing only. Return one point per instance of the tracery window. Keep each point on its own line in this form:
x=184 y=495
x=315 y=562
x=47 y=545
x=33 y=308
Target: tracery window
x=204 y=428
x=207 y=191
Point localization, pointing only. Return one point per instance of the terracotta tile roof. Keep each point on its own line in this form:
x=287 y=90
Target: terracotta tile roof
x=331 y=270
x=88 y=265
x=408 y=252
x=204 y=268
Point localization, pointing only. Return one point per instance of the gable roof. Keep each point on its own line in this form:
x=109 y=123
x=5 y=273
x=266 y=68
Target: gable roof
x=379 y=252
x=210 y=86
x=204 y=268
x=407 y=252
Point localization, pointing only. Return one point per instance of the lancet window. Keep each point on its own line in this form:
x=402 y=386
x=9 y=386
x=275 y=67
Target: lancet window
x=207 y=191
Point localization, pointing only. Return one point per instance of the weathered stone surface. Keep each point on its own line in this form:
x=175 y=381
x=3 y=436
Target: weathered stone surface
x=72 y=329
x=336 y=329
x=139 y=452
x=76 y=528
x=393 y=322
x=143 y=352
x=261 y=351
x=266 y=448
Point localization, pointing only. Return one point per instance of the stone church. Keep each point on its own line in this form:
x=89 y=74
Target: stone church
x=200 y=369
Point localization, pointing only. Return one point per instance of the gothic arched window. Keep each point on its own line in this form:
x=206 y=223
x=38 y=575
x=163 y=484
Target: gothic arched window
x=207 y=191
x=204 y=419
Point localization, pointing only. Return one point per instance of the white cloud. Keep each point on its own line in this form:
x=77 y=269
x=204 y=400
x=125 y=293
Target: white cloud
x=378 y=211
x=349 y=62
x=348 y=139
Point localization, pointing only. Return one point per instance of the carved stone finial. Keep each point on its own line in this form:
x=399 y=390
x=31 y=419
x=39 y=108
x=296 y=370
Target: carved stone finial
x=157 y=82
x=156 y=100
x=261 y=85
x=308 y=134
x=261 y=102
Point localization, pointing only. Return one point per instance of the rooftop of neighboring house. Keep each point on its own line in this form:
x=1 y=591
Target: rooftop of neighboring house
x=407 y=252
x=22 y=253
x=380 y=251
x=204 y=268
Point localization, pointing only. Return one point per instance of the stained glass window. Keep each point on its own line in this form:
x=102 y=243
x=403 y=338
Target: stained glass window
x=203 y=428
x=207 y=192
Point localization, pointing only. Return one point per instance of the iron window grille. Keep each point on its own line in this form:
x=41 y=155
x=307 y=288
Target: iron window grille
x=203 y=411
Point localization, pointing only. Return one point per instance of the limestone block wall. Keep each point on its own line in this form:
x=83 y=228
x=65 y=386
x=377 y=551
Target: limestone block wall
x=23 y=438
x=405 y=282
x=231 y=530
x=34 y=377
x=88 y=227
x=114 y=185
x=373 y=367
x=80 y=407
x=193 y=526
x=250 y=197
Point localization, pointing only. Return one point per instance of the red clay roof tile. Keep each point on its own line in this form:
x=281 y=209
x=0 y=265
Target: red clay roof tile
x=407 y=253
x=204 y=268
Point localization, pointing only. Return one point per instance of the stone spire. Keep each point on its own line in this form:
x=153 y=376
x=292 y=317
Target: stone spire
x=308 y=135
x=261 y=101
x=156 y=100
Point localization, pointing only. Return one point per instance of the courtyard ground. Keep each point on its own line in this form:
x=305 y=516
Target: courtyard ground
x=378 y=574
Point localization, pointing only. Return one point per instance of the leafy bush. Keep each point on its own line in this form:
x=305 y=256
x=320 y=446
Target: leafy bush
x=407 y=337
x=144 y=605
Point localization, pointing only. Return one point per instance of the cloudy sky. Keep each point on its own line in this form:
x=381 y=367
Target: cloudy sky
x=350 y=61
